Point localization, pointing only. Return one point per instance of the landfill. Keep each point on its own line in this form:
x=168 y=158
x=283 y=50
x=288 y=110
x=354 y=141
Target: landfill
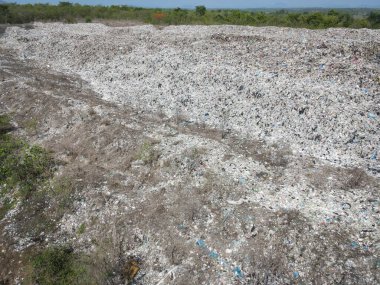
x=258 y=156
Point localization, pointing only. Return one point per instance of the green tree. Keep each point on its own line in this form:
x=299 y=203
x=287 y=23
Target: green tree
x=346 y=19
x=65 y=4
x=4 y=12
x=315 y=20
x=333 y=12
x=200 y=10
x=374 y=18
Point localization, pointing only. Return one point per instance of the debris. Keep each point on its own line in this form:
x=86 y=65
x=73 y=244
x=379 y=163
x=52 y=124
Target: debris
x=238 y=273
x=327 y=93
x=354 y=245
x=238 y=202
x=131 y=269
x=171 y=271
x=365 y=90
x=213 y=255
x=201 y=243
x=346 y=206
x=242 y=180
x=372 y=116
x=313 y=113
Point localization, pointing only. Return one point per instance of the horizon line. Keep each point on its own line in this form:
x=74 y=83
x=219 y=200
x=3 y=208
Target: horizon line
x=211 y=8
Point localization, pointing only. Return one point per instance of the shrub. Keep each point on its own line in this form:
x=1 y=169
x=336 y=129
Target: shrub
x=23 y=168
x=65 y=4
x=159 y=16
x=5 y=125
x=146 y=153
x=58 y=265
x=81 y=229
x=70 y=20
x=200 y=10
x=374 y=18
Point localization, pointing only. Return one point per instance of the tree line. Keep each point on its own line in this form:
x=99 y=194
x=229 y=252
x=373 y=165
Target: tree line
x=72 y=13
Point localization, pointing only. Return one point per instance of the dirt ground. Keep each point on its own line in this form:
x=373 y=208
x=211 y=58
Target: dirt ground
x=195 y=205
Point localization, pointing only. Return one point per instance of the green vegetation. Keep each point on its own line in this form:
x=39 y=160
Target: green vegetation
x=200 y=10
x=146 y=153
x=71 y=13
x=22 y=167
x=26 y=180
x=26 y=173
x=30 y=125
x=59 y=266
x=81 y=229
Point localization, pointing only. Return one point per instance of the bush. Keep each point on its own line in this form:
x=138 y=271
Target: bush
x=66 y=11
x=65 y=4
x=58 y=266
x=374 y=18
x=146 y=153
x=61 y=265
x=70 y=20
x=200 y=10
x=22 y=166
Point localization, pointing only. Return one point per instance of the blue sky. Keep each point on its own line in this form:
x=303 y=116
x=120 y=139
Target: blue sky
x=227 y=3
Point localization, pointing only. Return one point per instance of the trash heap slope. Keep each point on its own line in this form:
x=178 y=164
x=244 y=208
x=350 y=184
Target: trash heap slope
x=317 y=90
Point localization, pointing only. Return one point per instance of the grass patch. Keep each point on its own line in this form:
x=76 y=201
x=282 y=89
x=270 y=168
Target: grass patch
x=45 y=207
x=61 y=194
x=22 y=166
x=5 y=124
x=30 y=125
x=146 y=153
x=6 y=205
x=59 y=266
x=81 y=229
x=26 y=173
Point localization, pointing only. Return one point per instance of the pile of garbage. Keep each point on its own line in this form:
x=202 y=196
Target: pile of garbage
x=316 y=90
x=268 y=172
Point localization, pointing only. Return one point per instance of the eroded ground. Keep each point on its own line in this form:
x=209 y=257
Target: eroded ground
x=193 y=205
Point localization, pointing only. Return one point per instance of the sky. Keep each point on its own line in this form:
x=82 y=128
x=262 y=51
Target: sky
x=225 y=3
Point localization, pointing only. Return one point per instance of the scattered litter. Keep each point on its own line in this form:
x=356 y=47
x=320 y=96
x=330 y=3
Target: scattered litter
x=346 y=206
x=171 y=271
x=296 y=274
x=131 y=269
x=354 y=245
x=255 y=101
x=377 y=263
x=215 y=256
x=238 y=202
x=372 y=116
x=201 y=243
x=238 y=273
